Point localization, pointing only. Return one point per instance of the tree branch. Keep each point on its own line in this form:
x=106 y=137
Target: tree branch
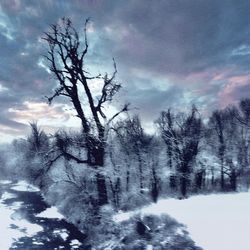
x=125 y=109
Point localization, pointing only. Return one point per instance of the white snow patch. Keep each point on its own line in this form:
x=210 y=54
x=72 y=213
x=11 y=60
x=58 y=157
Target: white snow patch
x=179 y=231
x=24 y=186
x=51 y=213
x=215 y=222
x=63 y=233
x=7 y=195
x=15 y=205
x=149 y=247
x=75 y=244
x=37 y=243
x=120 y=217
x=5 y=182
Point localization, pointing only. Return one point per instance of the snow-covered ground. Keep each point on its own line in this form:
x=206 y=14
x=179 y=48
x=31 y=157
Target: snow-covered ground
x=51 y=213
x=215 y=222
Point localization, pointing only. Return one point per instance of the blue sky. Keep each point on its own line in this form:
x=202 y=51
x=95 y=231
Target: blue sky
x=169 y=53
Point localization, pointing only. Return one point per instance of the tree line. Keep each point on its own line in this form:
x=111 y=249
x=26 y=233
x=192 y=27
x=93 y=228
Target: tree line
x=112 y=159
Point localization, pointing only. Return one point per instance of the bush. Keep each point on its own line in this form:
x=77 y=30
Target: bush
x=134 y=200
x=159 y=232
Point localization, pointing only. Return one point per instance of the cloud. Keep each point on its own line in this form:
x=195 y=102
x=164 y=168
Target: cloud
x=237 y=87
x=168 y=53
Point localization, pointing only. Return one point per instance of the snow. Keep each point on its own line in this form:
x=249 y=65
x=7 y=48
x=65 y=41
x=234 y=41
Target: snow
x=7 y=195
x=63 y=233
x=215 y=222
x=149 y=247
x=4 y=182
x=24 y=186
x=21 y=227
x=38 y=243
x=51 y=213
x=75 y=244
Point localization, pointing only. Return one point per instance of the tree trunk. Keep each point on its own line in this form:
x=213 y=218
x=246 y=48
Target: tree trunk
x=169 y=152
x=141 y=171
x=96 y=157
x=173 y=182
x=222 y=181
x=212 y=179
x=233 y=180
x=184 y=178
x=127 y=180
x=155 y=187
x=102 y=189
x=183 y=183
x=199 y=179
x=116 y=190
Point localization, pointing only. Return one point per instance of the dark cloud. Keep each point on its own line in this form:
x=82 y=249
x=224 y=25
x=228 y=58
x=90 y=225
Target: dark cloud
x=180 y=36
x=169 y=53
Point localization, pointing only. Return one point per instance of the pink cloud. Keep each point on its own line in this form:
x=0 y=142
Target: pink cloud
x=228 y=94
x=37 y=111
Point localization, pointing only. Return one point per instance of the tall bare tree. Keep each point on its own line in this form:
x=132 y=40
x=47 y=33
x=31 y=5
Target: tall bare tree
x=217 y=122
x=66 y=56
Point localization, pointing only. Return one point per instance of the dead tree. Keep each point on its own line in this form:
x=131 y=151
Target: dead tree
x=66 y=56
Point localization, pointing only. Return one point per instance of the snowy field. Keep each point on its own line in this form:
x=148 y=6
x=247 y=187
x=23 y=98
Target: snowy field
x=215 y=222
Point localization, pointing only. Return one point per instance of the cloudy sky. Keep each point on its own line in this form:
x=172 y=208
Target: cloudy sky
x=169 y=53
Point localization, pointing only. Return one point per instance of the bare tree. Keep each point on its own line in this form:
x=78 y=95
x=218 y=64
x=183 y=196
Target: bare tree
x=217 y=124
x=227 y=139
x=165 y=122
x=242 y=115
x=38 y=141
x=182 y=134
x=135 y=143
x=66 y=56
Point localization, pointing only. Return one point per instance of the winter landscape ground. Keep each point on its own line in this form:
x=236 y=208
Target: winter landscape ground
x=215 y=222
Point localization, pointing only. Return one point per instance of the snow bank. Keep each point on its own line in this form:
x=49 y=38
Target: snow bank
x=215 y=222
x=51 y=213
x=11 y=228
x=7 y=195
x=5 y=182
x=24 y=186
